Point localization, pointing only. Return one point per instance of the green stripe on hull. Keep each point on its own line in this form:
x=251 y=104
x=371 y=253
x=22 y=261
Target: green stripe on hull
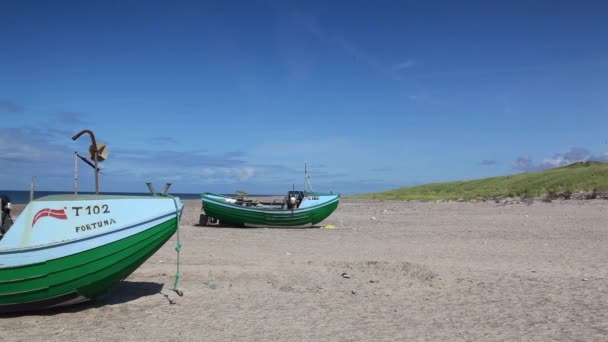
x=296 y=218
x=89 y=273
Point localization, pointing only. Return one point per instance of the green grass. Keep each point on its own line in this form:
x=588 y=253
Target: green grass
x=579 y=176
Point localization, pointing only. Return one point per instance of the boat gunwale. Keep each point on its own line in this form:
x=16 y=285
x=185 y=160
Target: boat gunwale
x=20 y=250
x=310 y=193
x=267 y=209
x=92 y=197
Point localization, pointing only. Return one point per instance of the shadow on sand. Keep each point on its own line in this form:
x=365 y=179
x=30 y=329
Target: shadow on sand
x=229 y=226
x=123 y=292
x=205 y=222
x=127 y=291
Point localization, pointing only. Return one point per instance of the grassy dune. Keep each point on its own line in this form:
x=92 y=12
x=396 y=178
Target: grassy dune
x=580 y=176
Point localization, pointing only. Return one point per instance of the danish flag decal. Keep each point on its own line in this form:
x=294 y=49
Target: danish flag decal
x=54 y=213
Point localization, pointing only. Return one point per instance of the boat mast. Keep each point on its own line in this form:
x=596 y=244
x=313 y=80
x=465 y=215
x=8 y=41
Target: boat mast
x=95 y=155
x=75 y=173
x=98 y=152
x=306 y=177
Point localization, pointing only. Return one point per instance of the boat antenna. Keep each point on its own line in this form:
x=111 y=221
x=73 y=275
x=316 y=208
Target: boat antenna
x=306 y=177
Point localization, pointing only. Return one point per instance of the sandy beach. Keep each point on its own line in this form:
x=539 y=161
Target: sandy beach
x=388 y=271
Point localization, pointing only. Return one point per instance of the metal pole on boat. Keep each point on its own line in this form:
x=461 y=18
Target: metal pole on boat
x=306 y=178
x=95 y=153
x=75 y=173
x=151 y=187
x=32 y=189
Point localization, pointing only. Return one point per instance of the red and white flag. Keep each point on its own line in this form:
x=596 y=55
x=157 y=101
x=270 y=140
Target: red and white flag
x=46 y=212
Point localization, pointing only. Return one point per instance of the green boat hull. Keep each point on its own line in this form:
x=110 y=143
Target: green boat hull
x=81 y=276
x=236 y=215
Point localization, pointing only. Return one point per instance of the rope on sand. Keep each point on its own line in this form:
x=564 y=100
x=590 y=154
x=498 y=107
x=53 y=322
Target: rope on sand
x=178 y=247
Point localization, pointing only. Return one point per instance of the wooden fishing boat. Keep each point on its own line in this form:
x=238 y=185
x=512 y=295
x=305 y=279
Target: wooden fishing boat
x=65 y=249
x=298 y=208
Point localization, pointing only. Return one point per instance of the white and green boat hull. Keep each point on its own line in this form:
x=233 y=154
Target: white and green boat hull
x=314 y=209
x=66 y=249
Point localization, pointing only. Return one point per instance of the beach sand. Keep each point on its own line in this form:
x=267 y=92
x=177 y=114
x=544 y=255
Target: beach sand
x=388 y=271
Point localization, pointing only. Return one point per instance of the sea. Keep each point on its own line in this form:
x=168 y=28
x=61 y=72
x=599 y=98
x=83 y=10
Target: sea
x=23 y=197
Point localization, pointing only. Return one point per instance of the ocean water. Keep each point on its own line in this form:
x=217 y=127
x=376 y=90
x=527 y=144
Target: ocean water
x=23 y=197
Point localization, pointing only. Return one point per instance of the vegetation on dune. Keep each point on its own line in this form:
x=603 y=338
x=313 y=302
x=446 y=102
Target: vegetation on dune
x=581 y=176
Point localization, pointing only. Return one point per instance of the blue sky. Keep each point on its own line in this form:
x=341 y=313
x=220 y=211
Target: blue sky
x=227 y=95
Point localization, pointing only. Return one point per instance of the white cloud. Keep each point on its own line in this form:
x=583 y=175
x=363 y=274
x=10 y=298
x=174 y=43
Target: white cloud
x=488 y=162
x=314 y=27
x=406 y=64
x=575 y=154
